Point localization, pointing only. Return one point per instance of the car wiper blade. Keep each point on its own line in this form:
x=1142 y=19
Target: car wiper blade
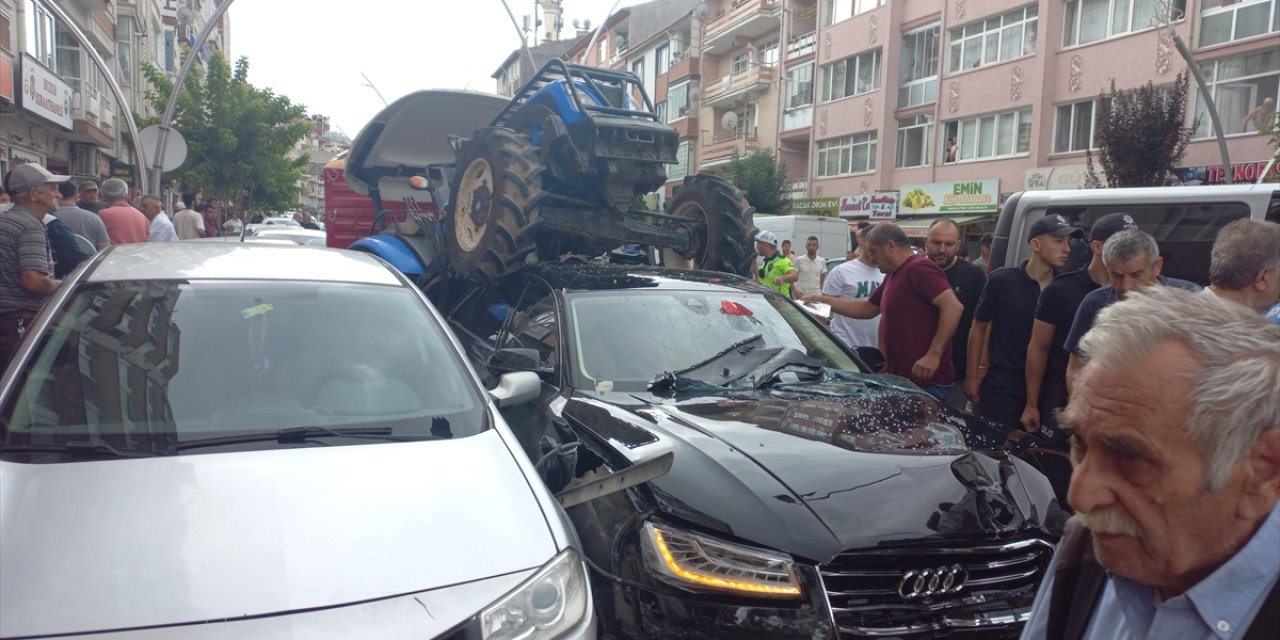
x=740 y=345
x=298 y=435
x=83 y=447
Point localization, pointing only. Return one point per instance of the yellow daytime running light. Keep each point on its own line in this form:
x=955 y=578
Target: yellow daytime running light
x=714 y=581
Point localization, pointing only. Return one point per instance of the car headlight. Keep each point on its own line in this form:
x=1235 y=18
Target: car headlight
x=551 y=602
x=694 y=561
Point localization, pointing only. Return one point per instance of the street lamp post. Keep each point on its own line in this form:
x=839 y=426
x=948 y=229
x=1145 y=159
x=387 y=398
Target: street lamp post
x=1163 y=18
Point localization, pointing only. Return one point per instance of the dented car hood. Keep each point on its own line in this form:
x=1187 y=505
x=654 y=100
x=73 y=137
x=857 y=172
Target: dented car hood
x=818 y=469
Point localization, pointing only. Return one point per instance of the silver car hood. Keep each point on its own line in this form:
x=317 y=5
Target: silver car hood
x=160 y=541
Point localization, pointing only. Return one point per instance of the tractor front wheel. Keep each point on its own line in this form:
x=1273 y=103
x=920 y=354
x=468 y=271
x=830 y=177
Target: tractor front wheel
x=719 y=218
x=494 y=211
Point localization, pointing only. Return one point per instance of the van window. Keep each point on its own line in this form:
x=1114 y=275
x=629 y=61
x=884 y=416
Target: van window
x=1185 y=232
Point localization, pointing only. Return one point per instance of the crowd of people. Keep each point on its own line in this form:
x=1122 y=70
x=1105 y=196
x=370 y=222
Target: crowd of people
x=1162 y=398
x=49 y=225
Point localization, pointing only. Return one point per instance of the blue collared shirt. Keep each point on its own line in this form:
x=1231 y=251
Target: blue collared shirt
x=1220 y=607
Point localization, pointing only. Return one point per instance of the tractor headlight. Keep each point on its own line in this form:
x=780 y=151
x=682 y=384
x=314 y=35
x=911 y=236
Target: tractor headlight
x=551 y=602
x=695 y=561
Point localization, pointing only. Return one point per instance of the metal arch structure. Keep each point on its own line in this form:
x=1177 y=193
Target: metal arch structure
x=157 y=160
x=126 y=113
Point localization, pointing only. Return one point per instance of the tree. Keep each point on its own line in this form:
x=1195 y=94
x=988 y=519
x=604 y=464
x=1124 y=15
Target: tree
x=1140 y=135
x=763 y=179
x=239 y=139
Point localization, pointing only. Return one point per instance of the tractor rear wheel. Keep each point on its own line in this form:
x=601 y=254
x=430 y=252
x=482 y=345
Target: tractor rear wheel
x=493 y=216
x=720 y=221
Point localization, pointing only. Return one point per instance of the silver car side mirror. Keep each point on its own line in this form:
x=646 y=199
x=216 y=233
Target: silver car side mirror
x=516 y=388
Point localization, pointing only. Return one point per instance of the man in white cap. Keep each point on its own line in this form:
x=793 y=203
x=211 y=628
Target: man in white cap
x=26 y=264
x=777 y=273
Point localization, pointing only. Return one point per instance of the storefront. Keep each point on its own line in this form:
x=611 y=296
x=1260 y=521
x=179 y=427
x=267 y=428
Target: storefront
x=1241 y=172
x=828 y=207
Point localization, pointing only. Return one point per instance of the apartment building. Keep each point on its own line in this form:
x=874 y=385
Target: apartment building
x=964 y=102
x=56 y=106
x=321 y=144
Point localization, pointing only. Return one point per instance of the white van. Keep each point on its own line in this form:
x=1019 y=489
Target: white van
x=832 y=233
x=1183 y=220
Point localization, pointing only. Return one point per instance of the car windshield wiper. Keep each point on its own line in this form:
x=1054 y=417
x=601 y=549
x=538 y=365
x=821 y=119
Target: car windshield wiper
x=299 y=435
x=740 y=347
x=83 y=447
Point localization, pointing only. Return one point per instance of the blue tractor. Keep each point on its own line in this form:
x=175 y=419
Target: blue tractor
x=563 y=169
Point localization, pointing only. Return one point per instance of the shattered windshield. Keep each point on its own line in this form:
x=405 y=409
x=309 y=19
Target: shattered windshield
x=630 y=338
x=153 y=367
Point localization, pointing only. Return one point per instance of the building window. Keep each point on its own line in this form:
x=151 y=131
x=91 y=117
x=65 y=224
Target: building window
x=680 y=169
x=800 y=86
x=1092 y=20
x=44 y=30
x=678 y=102
x=68 y=56
x=1076 y=126
x=915 y=139
x=847 y=154
x=741 y=61
x=637 y=68
x=170 y=51
x=834 y=11
x=851 y=76
x=1227 y=20
x=918 y=71
x=769 y=53
x=660 y=111
x=124 y=51
x=991 y=136
x=996 y=39
x=1241 y=86
x=662 y=60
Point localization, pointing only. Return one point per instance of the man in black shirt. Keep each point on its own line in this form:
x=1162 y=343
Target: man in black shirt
x=942 y=246
x=1046 y=361
x=89 y=197
x=1003 y=320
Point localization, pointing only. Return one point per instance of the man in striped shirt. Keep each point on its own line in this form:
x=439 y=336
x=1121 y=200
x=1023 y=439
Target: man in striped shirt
x=26 y=264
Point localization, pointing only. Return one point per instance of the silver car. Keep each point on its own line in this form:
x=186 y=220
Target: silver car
x=259 y=441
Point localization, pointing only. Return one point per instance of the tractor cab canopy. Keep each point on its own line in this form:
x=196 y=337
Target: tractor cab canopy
x=411 y=137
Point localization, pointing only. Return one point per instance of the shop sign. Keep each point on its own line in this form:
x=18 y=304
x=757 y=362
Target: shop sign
x=124 y=171
x=21 y=156
x=815 y=206
x=877 y=206
x=1071 y=176
x=972 y=196
x=1242 y=172
x=45 y=94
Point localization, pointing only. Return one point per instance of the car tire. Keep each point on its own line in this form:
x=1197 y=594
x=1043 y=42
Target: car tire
x=721 y=224
x=493 y=215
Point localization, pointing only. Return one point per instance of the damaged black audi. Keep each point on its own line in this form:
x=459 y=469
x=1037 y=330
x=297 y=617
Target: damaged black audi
x=808 y=497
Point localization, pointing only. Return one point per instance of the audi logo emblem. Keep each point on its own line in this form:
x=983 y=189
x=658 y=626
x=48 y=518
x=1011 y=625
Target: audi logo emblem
x=918 y=584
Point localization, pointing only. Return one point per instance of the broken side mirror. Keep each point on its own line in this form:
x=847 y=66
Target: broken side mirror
x=516 y=388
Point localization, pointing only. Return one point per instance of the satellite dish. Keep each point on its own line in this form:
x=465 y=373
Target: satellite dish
x=586 y=24
x=701 y=11
x=175 y=148
x=185 y=14
x=729 y=121
x=577 y=24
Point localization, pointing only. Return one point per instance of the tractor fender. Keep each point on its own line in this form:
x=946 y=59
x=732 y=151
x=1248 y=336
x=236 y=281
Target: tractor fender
x=395 y=251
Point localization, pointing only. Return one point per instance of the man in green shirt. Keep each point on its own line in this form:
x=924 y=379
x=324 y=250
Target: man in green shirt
x=776 y=272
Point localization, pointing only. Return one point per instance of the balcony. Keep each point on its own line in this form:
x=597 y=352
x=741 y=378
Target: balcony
x=727 y=90
x=797 y=118
x=683 y=65
x=802 y=45
x=721 y=148
x=741 y=19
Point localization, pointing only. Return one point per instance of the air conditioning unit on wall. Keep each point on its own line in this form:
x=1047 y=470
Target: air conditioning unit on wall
x=84 y=160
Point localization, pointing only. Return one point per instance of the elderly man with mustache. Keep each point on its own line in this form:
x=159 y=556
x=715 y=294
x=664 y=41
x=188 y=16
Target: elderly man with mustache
x=1175 y=427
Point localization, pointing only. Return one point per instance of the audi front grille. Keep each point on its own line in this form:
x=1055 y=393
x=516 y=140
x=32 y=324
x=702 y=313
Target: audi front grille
x=982 y=590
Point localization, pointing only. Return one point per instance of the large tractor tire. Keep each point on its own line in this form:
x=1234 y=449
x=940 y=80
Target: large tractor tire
x=720 y=220
x=493 y=216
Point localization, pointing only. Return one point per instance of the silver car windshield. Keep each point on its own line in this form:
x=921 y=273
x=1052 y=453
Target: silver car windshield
x=153 y=367
x=629 y=337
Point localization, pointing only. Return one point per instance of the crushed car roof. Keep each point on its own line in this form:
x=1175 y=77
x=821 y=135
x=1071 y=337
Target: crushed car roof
x=237 y=261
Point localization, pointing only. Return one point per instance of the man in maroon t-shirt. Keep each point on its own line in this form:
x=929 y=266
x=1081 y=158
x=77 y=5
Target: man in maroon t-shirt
x=921 y=311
